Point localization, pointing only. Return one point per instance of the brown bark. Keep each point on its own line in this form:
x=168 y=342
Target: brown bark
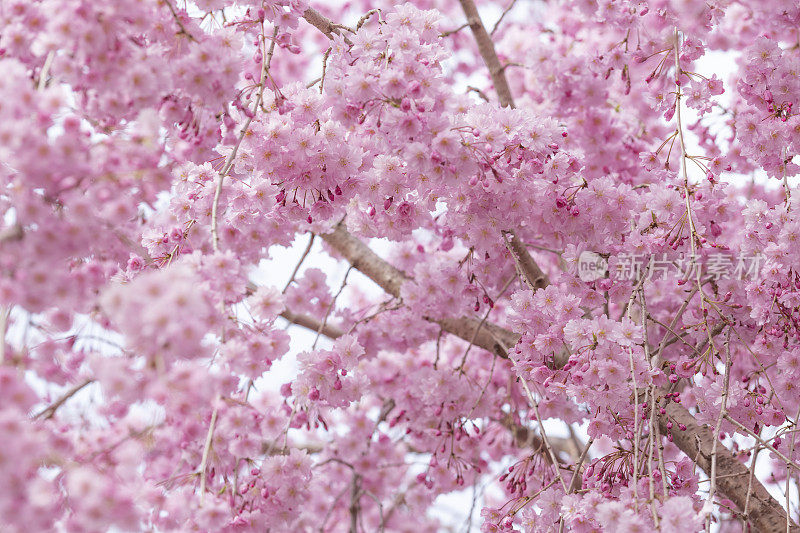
x=488 y=53
x=309 y=322
x=489 y=337
x=764 y=512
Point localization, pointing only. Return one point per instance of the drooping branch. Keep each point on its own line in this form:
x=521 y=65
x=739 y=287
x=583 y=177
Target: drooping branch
x=523 y=437
x=764 y=512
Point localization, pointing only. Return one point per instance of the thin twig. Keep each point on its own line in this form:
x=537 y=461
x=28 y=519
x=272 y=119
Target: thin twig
x=232 y=156
x=761 y=441
x=175 y=16
x=482 y=322
x=723 y=409
x=508 y=8
x=45 y=69
x=575 y=474
x=309 y=322
x=206 y=452
x=49 y=411
x=331 y=306
x=545 y=440
x=299 y=263
x=788 y=472
x=354 y=507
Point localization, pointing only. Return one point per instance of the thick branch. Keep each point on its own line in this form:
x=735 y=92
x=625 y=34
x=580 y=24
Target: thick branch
x=488 y=53
x=763 y=511
x=533 y=274
x=309 y=322
x=697 y=441
x=323 y=24
x=365 y=260
x=13 y=233
x=489 y=337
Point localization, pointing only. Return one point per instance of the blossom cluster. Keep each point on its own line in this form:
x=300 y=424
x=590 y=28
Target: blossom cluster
x=157 y=155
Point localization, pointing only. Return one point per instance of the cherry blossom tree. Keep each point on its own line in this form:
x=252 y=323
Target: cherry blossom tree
x=572 y=289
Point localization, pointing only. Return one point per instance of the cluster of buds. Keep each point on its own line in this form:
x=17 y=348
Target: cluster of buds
x=613 y=469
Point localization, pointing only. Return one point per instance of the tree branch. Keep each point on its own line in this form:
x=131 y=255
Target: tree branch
x=309 y=322
x=697 y=441
x=764 y=511
x=49 y=411
x=490 y=336
x=488 y=53
x=532 y=274
x=323 y=24
x=13 y=233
